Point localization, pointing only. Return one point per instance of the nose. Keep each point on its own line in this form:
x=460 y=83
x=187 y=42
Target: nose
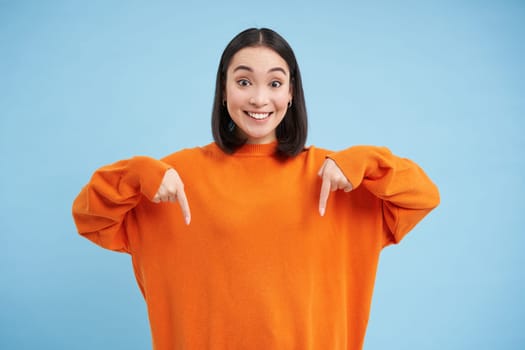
x=259 y=98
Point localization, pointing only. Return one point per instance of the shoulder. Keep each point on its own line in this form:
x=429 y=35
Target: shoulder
x=317 y=149
x=316 y=152
x=194 y=154
x=360 y=150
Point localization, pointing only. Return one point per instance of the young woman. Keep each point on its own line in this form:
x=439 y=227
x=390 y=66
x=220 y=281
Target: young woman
x=277 y=245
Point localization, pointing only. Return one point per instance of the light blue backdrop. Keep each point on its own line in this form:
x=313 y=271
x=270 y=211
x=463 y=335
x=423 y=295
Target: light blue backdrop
x=83 y=84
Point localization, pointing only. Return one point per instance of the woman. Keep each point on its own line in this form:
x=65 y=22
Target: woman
x=278 y=244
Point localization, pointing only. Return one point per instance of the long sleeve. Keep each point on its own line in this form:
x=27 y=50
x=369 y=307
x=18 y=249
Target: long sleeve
x=114 y=190
x=406 y=191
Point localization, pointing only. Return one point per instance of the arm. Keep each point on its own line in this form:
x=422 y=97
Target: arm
x=114 y=190
x=406 y=191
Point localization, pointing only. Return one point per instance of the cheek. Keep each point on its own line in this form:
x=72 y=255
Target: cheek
x=283 y=99
x=233 y=95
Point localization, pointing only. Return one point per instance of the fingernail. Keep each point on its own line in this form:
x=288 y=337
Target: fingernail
x=187 y=219
x=321 y=211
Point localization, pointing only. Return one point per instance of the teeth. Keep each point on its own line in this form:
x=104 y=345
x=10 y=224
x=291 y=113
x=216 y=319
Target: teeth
x=258 y=115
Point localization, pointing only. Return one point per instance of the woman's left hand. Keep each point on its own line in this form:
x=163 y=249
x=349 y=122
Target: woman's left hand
x=333 y=179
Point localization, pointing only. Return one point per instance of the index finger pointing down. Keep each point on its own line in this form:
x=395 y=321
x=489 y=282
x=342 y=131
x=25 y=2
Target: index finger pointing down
x=183 y=202
x=323 y=198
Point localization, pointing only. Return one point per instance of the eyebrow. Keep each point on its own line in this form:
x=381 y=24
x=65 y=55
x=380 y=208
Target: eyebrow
x=275 y=69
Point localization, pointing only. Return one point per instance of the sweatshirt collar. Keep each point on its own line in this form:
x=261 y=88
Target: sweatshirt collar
x=265 y=149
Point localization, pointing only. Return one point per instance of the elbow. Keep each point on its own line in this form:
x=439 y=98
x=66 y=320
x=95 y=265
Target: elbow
x=434 y=197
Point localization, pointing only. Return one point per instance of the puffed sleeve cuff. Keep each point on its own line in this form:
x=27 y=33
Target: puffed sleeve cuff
x=152 y=172
x=358 y=162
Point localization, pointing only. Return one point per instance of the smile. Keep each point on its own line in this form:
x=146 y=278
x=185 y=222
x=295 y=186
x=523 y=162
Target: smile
x=258 y=116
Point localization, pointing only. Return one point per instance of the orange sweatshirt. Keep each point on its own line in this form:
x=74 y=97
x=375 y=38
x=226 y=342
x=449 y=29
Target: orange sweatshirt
x=258 y=267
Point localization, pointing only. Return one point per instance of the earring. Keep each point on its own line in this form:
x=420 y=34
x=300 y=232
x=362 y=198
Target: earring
x=231 y=126
x=290 y=104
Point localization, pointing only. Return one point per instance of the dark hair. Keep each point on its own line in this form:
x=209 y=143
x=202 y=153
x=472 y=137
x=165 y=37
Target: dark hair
x=292 y=131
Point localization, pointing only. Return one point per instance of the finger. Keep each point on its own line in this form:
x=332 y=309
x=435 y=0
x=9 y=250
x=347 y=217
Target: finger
x=344 y=184
x=161 y=195
x=335 y=185
x=183 y=202
x=321 y=171
x=156 y=199
x=164 y=196
x=323 y=198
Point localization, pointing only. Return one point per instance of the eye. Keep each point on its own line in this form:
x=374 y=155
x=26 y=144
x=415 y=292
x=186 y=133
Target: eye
x=243 y=82
x=276 y=84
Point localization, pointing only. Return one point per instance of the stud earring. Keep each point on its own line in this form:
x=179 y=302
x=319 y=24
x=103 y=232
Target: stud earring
x=231 y=126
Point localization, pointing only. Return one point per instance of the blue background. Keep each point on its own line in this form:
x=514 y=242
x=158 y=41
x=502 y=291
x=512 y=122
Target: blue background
x=83 y=84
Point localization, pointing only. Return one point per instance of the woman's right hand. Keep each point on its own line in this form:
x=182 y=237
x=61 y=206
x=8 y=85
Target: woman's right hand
x=172 y=190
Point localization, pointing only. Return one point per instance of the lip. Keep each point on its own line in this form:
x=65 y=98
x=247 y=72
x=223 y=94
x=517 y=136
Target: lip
x=258 y=115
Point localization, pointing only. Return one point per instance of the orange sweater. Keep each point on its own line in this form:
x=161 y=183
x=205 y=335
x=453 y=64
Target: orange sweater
x=258 y=267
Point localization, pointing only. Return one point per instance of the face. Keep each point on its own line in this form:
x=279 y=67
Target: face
x=257 y=92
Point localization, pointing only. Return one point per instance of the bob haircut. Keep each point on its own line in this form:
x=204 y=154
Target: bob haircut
x=292 y=131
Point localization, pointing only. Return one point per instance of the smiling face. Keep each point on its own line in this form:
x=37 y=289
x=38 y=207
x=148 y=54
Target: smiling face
x=257 y=92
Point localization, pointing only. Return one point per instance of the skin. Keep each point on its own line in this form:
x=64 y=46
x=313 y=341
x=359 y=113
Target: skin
x=257 y=94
